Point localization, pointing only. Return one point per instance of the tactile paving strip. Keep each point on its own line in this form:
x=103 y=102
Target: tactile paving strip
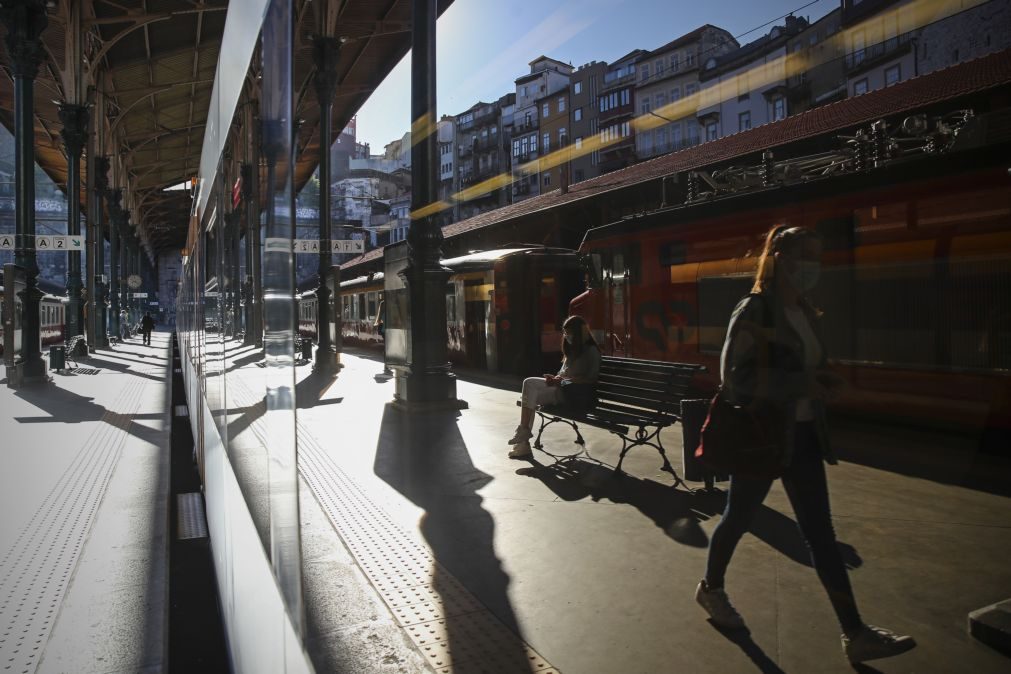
x=454 y=631
x=36 y=571
x=190 y=516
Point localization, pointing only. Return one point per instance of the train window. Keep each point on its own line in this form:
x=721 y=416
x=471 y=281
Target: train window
x=837 y=233
x=371 y=301
x=718 y=295
x=450 y=303
x=593 y=269
x=673 y=253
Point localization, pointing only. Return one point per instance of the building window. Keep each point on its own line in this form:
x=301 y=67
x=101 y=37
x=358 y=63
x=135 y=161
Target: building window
x=693 y=133
x=644 y=107
x=661 y=139
x=579 y=175
x=546 y=142
x=626 y=97
x=516 y=148
x=545 y=110
x=691 y=88
x=858 y=46
x=533 y=143
x=711 y=131
x=658 y=66
x=744 y=121
x=547 y=179
x=661 y=100
x=523 y=90
x=893 y=75
x=577 y=114
x=579 y=142
x=577 y=88
x=690 y=58
x=674 y=62
x=561 y=104
x=778 y=109
x=860 y=87
x=563 y=136
x=675 y=137
x=644 y=72
x=675 y=94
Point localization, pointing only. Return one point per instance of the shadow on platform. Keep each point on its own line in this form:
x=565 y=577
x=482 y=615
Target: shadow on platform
x=424 y=457
x=675 y=512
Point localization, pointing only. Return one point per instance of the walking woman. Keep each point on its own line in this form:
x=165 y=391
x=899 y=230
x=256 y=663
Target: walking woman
x=774 y=356
x=574 y=385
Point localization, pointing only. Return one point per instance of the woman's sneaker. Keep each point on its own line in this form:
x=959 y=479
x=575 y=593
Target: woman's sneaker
x=522 y=435
x=871 y=643
x=521 y=451
x=718 y=606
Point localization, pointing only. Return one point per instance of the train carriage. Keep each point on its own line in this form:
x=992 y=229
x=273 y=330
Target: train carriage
x=915 y=280
x=489 y=296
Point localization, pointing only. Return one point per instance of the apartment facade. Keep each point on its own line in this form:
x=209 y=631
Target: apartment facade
x=584 y=120
x=547 y=76
x=667 y=78
x=554 y=130
x=483 y=133
x=821 y=47
x=748 y=86
x=616 y=110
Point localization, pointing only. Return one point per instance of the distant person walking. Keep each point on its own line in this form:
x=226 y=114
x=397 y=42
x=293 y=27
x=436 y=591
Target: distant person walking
x=146 y=326
x=124 y=324
x=774 y=359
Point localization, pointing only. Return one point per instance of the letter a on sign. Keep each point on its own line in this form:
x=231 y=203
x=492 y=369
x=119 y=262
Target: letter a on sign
x=43 y=243
x=6 y=242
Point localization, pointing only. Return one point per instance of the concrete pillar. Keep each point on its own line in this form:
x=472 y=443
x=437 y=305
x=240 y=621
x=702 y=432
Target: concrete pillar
x=101 y=295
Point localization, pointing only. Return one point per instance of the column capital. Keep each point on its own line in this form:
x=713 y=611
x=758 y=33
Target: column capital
x=75 y=127
x=25 y=21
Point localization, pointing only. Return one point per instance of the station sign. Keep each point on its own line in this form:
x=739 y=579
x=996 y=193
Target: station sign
x=46 y=243
x=140 y=296
x=312 y=246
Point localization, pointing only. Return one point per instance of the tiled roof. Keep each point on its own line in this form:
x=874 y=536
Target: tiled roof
x=919 y=92
x=684 y=39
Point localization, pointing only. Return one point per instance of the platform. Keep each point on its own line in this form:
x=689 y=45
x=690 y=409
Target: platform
x=84 y=496
x=596 y=575
x=426 y=549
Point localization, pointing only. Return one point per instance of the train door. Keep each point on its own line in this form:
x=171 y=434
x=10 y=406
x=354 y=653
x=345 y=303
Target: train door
x=616 y=313
x=476 y=300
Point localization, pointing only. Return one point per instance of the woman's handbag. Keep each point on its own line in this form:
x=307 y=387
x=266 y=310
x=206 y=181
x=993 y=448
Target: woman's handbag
x=742 y=440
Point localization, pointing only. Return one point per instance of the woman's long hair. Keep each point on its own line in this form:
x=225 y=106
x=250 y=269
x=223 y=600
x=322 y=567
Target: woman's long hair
x=779 y=239
x=578 y=325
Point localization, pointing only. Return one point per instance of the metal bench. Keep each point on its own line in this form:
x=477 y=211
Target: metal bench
x=72 y=346
x=643 y=396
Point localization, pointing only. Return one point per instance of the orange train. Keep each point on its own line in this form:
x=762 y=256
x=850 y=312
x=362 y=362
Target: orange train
x=915 y=285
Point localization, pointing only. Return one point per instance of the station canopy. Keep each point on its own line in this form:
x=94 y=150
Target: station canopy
x=155 y=60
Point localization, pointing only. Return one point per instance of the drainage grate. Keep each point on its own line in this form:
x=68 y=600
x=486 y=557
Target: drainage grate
x=190 y=510
x=83 y=370
x=36 y=571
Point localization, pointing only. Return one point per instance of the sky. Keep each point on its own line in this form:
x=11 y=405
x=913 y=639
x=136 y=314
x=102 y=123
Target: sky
x=484 y=45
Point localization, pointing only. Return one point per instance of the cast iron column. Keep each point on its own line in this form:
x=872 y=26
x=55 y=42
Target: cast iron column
x=326 y=51
x=75 y=135
x=115 y=215
x=101 y=297
x=25 y=20
x=246 y=171
x=254 y=240
x=427 y=382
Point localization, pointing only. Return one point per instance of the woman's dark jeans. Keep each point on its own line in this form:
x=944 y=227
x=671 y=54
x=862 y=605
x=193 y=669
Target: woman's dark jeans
x=805 y=484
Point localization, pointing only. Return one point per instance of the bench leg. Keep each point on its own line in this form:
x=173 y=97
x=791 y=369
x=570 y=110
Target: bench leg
x=644 y=437
x=544 y=424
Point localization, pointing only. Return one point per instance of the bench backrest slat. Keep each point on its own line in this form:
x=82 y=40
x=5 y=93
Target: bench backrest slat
x=636 y=387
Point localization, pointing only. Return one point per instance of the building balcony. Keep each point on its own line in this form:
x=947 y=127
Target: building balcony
x=486 y=144
x=524 y=126
x=868 y=57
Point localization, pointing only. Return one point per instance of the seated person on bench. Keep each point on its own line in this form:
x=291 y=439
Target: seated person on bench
x=573 y=386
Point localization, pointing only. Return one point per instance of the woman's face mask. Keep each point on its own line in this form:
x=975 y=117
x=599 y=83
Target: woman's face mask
x=805 y=275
